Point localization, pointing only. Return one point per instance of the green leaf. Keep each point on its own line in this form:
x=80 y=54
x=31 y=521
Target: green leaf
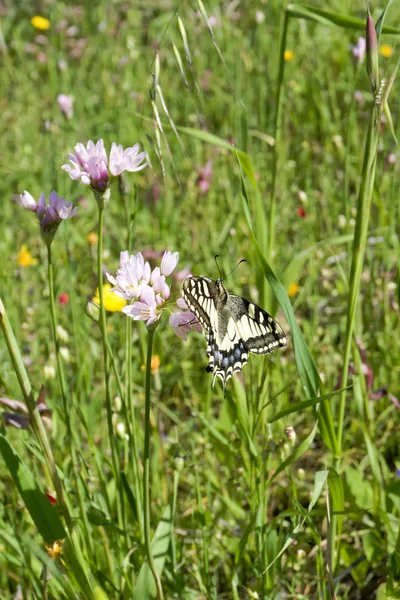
x=360 y=488
x=299 y=406
x=380 y=21
x=145 y=586
x=129 y=494
x=43 y=514
x=328 y=17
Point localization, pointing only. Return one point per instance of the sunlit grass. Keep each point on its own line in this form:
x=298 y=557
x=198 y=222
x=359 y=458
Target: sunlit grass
x=267 y=491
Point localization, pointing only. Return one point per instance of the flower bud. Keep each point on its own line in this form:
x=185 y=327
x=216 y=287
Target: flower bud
x=93 y=311
x=178 y=463
x=372 y=53
x=117 y=404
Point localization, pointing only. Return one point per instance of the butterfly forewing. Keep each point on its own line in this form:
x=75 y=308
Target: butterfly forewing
x=234 y=326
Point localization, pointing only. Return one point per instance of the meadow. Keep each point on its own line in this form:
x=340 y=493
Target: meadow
x=270 y=131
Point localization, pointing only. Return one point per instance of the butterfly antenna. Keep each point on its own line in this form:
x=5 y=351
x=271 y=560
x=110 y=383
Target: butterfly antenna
x=219 y=270
x=239 y=263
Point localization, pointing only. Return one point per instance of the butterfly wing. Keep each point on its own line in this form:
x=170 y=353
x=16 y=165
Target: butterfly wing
x=260 y=332
x=200 y=294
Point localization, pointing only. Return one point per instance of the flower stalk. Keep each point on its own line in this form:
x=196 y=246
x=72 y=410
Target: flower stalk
x=103 y=329
x=60 y=368
x=146 y=467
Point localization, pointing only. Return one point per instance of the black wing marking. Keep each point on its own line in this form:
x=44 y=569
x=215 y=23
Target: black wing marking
x=260 y=332
x=200 y=295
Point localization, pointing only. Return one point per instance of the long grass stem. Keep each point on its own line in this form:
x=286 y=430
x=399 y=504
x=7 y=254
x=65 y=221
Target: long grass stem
x=146 y=469
x=359 y=245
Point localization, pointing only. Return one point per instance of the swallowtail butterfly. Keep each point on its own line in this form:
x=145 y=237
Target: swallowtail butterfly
x=233 y=326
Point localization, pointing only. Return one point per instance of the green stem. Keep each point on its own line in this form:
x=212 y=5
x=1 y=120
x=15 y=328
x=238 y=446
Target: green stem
x=146 y=469
x=131 y=422
x=106 y=357
x=103 y=328
x=277 y=135
x=359 y=245
x=60 y=368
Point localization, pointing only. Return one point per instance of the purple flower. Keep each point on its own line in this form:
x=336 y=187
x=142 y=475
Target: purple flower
x=66 y=105
x=49 y=215
x=90 y=164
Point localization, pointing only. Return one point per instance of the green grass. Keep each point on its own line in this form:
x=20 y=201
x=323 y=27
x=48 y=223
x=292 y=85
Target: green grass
x=238 y=509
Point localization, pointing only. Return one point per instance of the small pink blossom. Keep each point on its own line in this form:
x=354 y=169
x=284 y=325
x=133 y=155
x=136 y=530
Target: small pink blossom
x=126 y=160
x=132 y=277
x=145 y=309
x=205 y=177
x=90 y=164
x=66 y=105
x=359 y=50
x=49 y=215
x=184 y=322
x=169 y=262
x=149 y=291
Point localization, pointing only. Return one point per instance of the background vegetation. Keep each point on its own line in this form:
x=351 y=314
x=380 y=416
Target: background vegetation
x=252 y=496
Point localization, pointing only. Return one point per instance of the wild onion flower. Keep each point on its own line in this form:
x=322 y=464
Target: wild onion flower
x=91 y=165
x=148 y=291
x=66 y=105
x=50 y=215
x=359 y=50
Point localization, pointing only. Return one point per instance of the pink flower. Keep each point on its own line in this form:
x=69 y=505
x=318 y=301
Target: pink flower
x=359 y=50
x=91 y=166
x=126 y=160
x=169 y=262
x=66 y=105
x=184 y=322
x=149 y=291
x=205 y=177
x=132 y=277
x=145 y=309
x=49 y=215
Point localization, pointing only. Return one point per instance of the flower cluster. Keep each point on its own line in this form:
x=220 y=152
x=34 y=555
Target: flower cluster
x=91 y=165
x=49 y=215
x=148 y=291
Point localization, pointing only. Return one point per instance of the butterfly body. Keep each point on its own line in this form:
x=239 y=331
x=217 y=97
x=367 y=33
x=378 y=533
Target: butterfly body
x=233 y=326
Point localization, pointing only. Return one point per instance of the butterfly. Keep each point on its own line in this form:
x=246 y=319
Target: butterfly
x=233 y=326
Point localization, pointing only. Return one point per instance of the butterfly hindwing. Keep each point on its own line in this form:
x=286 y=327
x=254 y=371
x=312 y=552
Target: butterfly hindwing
x=233 y=326
x=261 y=332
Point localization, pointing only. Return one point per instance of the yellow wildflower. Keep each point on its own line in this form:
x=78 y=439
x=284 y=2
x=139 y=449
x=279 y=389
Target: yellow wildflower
x=293 y=289
x=25 y=258
x=386 y=50
x=40 y=23
x=55 y=550
x=155 y=364
x=92 y=238
x=288 y=55
x=112 y=302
